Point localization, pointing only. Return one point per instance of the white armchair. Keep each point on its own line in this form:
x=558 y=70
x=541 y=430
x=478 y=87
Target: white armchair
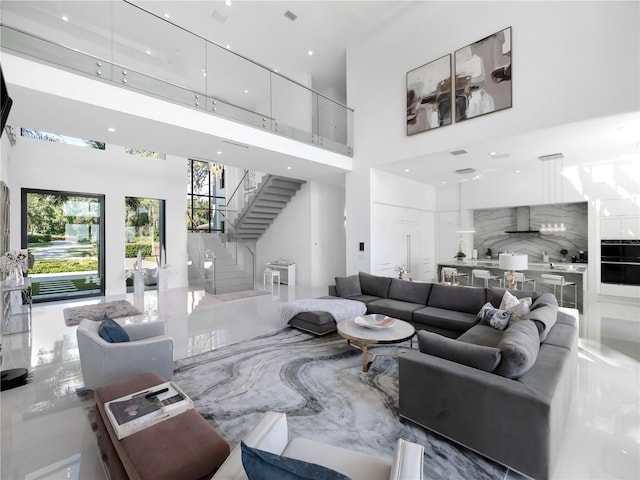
x=103 y=362
x=271 y=435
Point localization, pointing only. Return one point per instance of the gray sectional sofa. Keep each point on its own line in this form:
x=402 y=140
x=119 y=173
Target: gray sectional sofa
x=502 y=393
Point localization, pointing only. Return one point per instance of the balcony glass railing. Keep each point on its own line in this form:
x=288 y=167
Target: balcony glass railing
x=123 y=44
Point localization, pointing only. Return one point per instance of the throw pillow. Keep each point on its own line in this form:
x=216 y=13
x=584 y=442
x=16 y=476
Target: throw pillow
x=261 y=465
x=111 y=331
x=494 y=317
x=348 y=286
x=519 y=345
x=475 y=356
x=518 y=307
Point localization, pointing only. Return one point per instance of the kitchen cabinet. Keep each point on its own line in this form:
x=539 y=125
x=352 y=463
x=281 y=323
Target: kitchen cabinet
x=620 y=228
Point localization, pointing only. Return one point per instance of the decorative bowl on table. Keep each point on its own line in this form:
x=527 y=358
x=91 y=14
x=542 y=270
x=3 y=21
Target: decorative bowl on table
x=377 y=321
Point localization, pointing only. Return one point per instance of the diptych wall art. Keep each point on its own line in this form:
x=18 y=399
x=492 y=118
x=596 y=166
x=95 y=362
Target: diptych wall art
x=483 y=76
x=429 y=96
x=481 y=82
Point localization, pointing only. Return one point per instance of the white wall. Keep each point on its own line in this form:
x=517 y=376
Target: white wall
x=5 y=152
x=46 y=165
x=328 y=257
x=558 y=64
x=309 y=232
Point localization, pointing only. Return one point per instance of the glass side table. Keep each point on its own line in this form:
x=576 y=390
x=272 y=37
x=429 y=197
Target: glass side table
x=16 y=307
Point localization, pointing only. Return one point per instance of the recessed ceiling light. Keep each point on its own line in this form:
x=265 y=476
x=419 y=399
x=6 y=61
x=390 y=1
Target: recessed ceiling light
x=166 y=15
x=227 y=3
x=517 y=171
x=246 y=91
x=288 y=168
x=310 y=52
x=65 y=18
x=275 y=70
x=219 y=152
x=204 y=74
x=493 y=153
x=228 y=47
x=111 y=129
x=443 y=182
x=148 y=52
x=406 y=170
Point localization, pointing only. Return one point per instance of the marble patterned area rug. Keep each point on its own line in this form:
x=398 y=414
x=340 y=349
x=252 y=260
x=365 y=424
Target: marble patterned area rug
x=118 y=308
x=318 y=382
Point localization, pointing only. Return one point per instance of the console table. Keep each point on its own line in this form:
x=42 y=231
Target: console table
x=16 y=306
x=287 y=272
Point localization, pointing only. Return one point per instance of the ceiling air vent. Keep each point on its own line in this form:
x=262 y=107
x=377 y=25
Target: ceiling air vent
x=458 y=152
x=290 y=15
x=235 y=144
x=464 y=171
x=219 y=16
x=553 y=156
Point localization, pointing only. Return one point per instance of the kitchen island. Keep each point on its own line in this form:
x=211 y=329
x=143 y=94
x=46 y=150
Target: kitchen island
x=572 y=272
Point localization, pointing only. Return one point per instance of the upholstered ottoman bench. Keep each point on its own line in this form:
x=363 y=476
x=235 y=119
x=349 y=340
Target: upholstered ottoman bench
x=182 y=447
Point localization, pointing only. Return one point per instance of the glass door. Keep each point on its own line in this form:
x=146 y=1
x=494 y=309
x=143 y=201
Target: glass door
x=144 y=239
x=65 y=233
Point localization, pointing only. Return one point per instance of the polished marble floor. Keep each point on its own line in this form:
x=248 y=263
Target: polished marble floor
x=45 y=433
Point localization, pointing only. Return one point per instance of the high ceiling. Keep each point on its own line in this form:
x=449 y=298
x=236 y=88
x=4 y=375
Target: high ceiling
x=261 y=31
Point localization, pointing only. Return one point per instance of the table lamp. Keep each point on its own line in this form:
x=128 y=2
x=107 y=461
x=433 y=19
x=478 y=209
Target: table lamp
x=512 y=262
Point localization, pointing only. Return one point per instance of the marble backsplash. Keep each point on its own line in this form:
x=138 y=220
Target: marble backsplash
x=491 y=224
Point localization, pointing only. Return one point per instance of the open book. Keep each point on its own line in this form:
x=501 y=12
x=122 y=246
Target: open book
x=139 y=410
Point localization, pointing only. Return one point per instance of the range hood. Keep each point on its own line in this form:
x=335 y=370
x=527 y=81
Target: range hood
x=523 y=223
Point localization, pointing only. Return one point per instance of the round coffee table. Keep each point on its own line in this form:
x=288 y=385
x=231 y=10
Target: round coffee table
x=362 y=337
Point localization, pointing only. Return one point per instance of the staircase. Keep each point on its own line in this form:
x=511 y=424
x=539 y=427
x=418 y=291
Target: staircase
x=269 y=199
x=230 y=275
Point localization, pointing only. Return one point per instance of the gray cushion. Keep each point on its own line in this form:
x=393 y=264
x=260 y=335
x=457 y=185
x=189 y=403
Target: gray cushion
x=443 y=318
x=414 y=292
x=457 y=298
x=545 y=298
x=394 y=308
x=348 y=286
x=544 y=318
x=482 y=335
x=476 y=356
x=519 y=345
x=495 y=294
x=111 y=331
x=364 y=298
x=374 y=285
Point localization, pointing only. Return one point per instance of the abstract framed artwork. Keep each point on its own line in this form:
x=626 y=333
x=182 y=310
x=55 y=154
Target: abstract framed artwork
x=483 y=76
x=429 y=96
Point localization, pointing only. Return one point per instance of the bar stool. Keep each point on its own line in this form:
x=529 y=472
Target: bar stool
x=520 y=277
x=486 y=276
x=559 y=281
x=452 y=274
x=273 y=275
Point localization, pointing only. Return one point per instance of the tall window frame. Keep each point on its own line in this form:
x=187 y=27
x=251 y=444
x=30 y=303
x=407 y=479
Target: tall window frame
x=206 y=199
x=79 y=277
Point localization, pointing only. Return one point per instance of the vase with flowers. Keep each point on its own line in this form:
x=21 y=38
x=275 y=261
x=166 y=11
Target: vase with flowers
x=14 y=265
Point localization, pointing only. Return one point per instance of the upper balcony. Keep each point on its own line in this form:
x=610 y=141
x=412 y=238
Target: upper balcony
x=120 y=43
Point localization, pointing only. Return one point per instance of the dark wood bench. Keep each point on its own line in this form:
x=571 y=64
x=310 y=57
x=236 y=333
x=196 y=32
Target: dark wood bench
x=184 y=446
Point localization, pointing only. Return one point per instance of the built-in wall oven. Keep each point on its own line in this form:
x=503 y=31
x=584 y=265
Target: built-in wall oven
x=620 y=262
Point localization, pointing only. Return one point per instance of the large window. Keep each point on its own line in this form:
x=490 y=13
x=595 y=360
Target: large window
x=144 y=231
x=205 y=197
x=65 y=233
